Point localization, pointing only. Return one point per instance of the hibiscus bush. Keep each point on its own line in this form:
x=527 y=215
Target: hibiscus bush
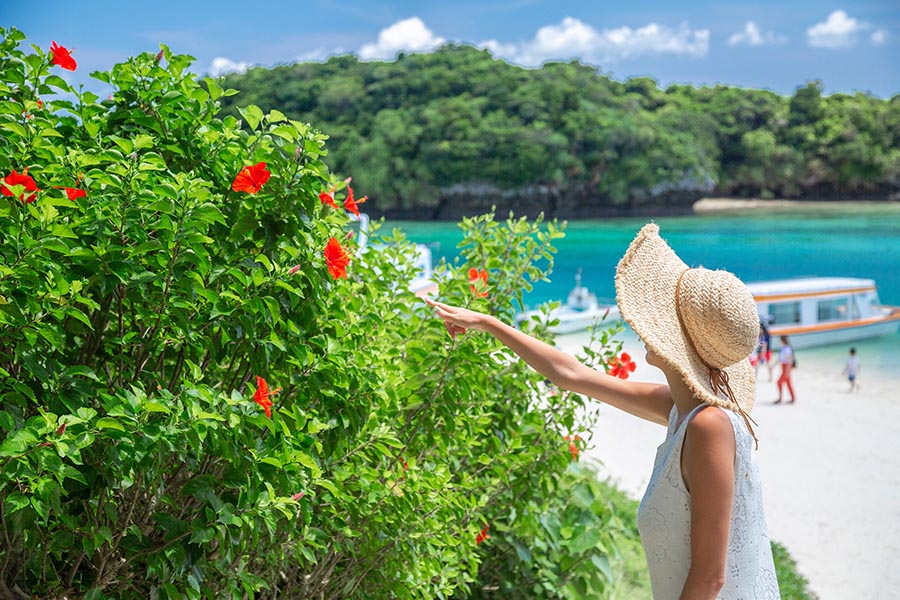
x=208 y=389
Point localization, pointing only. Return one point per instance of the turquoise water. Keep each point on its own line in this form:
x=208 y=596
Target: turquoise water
x=836 y=241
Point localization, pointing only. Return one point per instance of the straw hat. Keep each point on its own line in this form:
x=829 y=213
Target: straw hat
x=702 y=323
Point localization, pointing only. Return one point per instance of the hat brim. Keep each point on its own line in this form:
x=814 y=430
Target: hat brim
x=646 y=278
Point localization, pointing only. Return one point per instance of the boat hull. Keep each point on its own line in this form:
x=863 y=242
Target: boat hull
x=576 y=322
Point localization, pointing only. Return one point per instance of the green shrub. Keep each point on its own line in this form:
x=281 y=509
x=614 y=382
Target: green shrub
x=793 y=585
x=545 y=552
x=141 y=323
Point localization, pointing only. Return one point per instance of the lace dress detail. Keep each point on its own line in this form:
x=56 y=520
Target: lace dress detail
x=664 y=521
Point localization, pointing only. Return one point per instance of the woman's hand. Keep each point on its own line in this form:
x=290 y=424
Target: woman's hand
x=457 y=320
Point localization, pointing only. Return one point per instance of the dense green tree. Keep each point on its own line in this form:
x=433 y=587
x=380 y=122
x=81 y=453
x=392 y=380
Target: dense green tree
x=417 y=128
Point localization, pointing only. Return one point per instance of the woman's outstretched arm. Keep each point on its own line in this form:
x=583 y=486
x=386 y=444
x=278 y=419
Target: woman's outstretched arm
x=649 y=401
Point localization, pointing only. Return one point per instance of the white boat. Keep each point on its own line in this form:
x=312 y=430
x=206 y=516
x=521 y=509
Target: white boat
x=581 y=312
x=816 y=311
x=423 y=283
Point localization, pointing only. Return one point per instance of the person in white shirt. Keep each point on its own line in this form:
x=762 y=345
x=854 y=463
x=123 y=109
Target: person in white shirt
x=852 y=369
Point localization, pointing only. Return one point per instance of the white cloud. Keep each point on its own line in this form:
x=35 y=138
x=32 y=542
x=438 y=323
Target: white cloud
x=837 y=31
x=752 y=36
x=408 y=35
x=572 y=38
x=221 y=65
x=879 y=37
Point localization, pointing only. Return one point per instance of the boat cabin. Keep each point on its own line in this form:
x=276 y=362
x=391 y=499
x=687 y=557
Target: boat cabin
x=822 y=310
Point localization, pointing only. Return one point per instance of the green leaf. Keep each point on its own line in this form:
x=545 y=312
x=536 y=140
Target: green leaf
x=602 y=564
x=589 y=537
x=252 y=114
x=308 y=462
x=108 y=423
x=57 y=82
x=314 y=426
x=276 y=116
x=16 y=501
x=70 y=472
x=142 y=141
x=203 y=535
x=125 y=145
x=79 y=316
x=285 y=132
x=214 y=89
x=92 y=128
x=210 y=416
x=328 y=486
x=155 y=407
x=15 y=128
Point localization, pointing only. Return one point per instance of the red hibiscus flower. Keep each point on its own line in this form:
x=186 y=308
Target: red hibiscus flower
x=328 y=198
x=261 y=396
x=351 y=203
x=62 y=57
x=251 y=179
x=73 y=193
x=23 y=179
x=482 y=535
x=474 y=276
x=621 y=366
x=336 y=258
x=573 y=445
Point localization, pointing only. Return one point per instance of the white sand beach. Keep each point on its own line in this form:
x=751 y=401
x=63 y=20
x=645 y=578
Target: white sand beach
x=830 y=465
x=707 y=206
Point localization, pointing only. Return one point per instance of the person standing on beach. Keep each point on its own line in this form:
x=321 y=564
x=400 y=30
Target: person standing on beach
x=701 y=519
x=852 y=369
x=787 y=361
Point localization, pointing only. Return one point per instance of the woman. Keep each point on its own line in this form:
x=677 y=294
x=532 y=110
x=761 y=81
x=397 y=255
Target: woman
x=701 y=519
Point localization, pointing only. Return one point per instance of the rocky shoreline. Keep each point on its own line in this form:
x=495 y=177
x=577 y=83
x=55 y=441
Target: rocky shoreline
x=576 y=204
x=554 y=202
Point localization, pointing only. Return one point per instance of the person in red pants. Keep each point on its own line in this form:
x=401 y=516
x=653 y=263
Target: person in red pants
x=786 y=358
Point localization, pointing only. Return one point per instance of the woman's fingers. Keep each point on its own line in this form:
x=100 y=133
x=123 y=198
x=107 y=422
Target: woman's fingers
x=447 y=315
x=435 y=303
x=453 y=330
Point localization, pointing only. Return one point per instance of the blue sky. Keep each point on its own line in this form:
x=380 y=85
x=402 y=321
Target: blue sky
x=776 y=45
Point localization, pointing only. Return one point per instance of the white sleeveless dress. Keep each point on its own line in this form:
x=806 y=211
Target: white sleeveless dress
x=664 y=521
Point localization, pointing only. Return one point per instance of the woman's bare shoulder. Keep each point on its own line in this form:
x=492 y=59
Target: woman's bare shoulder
x=711 y=425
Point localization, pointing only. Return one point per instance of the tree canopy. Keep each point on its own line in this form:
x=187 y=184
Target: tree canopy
x=415 y=130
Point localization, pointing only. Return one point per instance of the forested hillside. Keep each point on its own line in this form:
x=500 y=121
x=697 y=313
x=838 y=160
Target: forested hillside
x=452 y=132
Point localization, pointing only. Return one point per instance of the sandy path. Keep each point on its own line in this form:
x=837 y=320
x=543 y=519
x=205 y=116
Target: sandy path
x=830 y=467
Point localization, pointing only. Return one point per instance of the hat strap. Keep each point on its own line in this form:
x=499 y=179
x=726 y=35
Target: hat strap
x=718 y=378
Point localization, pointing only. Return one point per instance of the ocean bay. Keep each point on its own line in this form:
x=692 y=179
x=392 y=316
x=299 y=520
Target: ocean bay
x=843 y=239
